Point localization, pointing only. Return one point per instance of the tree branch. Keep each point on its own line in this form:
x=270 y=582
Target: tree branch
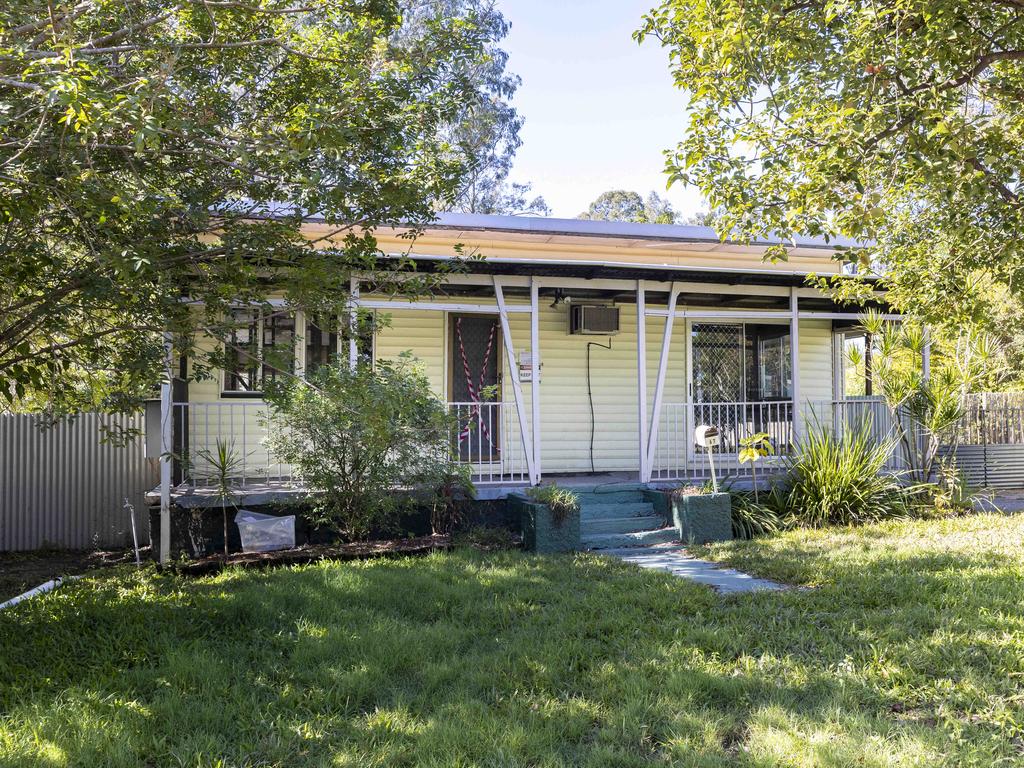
x=982 y=64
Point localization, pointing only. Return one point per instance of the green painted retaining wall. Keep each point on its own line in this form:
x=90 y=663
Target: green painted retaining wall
x=541 y=532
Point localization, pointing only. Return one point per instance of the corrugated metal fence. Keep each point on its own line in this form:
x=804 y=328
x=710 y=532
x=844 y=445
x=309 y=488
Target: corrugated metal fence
x=988 y=441
x=64 y=486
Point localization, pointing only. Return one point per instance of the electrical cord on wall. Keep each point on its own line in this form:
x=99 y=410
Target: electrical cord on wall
x=590 y=397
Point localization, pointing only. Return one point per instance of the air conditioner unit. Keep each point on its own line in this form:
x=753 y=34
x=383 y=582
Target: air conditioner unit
x=593 y=320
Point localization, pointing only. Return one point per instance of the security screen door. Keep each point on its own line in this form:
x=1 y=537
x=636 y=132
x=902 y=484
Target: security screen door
x=717 y=351
x=475 y=378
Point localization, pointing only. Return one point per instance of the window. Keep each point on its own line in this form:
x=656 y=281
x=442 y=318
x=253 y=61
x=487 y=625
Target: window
x=733 y=362
x=261 y=346
x=325 y=345
x=769 y=374
x=855 y=350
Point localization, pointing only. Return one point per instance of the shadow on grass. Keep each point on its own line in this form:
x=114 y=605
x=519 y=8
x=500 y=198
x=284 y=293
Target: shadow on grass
x=463 y=659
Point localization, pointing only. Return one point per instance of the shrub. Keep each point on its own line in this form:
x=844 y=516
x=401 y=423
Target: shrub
x=949 y=495
x=561 y=501
x=840 y=480
x=446 y=504
x=755 y=517
x=366 y=442
x=224 y=463
x=752 y=450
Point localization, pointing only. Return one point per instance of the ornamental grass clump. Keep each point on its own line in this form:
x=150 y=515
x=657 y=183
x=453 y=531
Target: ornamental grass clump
x=561 y=501
x=843 y=480
x=758 y=516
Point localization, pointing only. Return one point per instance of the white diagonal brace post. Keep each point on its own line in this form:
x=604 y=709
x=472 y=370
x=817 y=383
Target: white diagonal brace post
x=659 y=387
x=353 y=323
x=535 y=385
x=641 y=375
x=794 y=360
x=517 y=389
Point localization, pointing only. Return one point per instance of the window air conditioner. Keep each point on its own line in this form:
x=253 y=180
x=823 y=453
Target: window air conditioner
x=593 y=320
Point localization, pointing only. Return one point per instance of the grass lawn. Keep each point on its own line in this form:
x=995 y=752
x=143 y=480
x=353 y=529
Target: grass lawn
x=909 y=651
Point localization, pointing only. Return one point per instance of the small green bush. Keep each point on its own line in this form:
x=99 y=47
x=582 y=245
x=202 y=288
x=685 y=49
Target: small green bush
x=561 y=501
x=840 y=480
x=369 y=443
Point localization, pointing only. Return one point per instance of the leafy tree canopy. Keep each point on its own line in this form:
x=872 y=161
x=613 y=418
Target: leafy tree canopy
x=153 y=151
x=485 y=129
x=898 y=124
x=624 y=205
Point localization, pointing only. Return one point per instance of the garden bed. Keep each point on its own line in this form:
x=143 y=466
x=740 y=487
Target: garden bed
x=311 y=553
x=21 y=571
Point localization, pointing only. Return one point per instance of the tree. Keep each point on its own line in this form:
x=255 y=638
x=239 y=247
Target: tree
x=486 y=130
x=154 y=151
x=925 y=409
x=624 y=205
x=508 y=198
x=897 y=124
x=700 y=219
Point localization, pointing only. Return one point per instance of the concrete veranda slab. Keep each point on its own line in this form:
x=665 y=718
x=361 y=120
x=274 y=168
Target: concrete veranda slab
x=676 y=561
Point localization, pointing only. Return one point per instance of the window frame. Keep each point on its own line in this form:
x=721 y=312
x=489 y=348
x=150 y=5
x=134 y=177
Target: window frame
x=259 y=327
x=750 y=357
x=341 y=350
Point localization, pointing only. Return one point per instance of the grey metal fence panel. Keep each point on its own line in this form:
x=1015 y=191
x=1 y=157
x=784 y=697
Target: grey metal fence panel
x=991 y=466
x=64 y=486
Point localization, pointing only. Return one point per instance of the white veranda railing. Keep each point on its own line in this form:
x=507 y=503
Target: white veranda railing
x=676 y=457
x=486 y=439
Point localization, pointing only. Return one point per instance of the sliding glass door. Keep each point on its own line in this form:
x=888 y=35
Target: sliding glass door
x=740 y=362
x=741 y=380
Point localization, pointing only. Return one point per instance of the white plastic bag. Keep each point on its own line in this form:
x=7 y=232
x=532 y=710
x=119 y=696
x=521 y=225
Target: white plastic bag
x=265 y=533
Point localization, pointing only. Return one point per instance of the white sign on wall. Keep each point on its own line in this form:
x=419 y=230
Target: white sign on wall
x=526 y=368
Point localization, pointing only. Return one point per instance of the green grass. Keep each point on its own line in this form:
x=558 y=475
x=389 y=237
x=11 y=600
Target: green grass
x=909 y=651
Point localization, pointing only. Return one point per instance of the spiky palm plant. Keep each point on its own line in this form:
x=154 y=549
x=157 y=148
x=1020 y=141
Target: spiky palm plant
x=224 y=462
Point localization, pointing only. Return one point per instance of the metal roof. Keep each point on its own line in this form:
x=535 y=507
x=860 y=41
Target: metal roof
x=729 y=275
x=553 y=227
x=681 y=233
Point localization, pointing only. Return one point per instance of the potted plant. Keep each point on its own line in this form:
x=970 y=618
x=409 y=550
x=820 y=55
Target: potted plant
x=550 y=519
x=700 y=514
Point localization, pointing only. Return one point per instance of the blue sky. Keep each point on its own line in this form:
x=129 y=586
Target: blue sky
x=599 y=108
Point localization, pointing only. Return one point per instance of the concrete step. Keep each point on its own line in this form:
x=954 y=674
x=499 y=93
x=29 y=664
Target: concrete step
x=636 y=539
x=624 y=509
x=621 y=525
x=609 y=496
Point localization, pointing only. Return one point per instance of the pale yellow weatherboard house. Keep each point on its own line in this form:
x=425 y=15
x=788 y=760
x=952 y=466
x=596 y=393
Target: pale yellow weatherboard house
x=569 y=347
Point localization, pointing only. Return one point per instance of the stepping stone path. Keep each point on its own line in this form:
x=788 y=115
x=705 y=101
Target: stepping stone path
x=676 y=561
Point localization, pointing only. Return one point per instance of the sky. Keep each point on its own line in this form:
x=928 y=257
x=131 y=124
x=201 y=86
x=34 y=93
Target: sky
x=600 y=110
